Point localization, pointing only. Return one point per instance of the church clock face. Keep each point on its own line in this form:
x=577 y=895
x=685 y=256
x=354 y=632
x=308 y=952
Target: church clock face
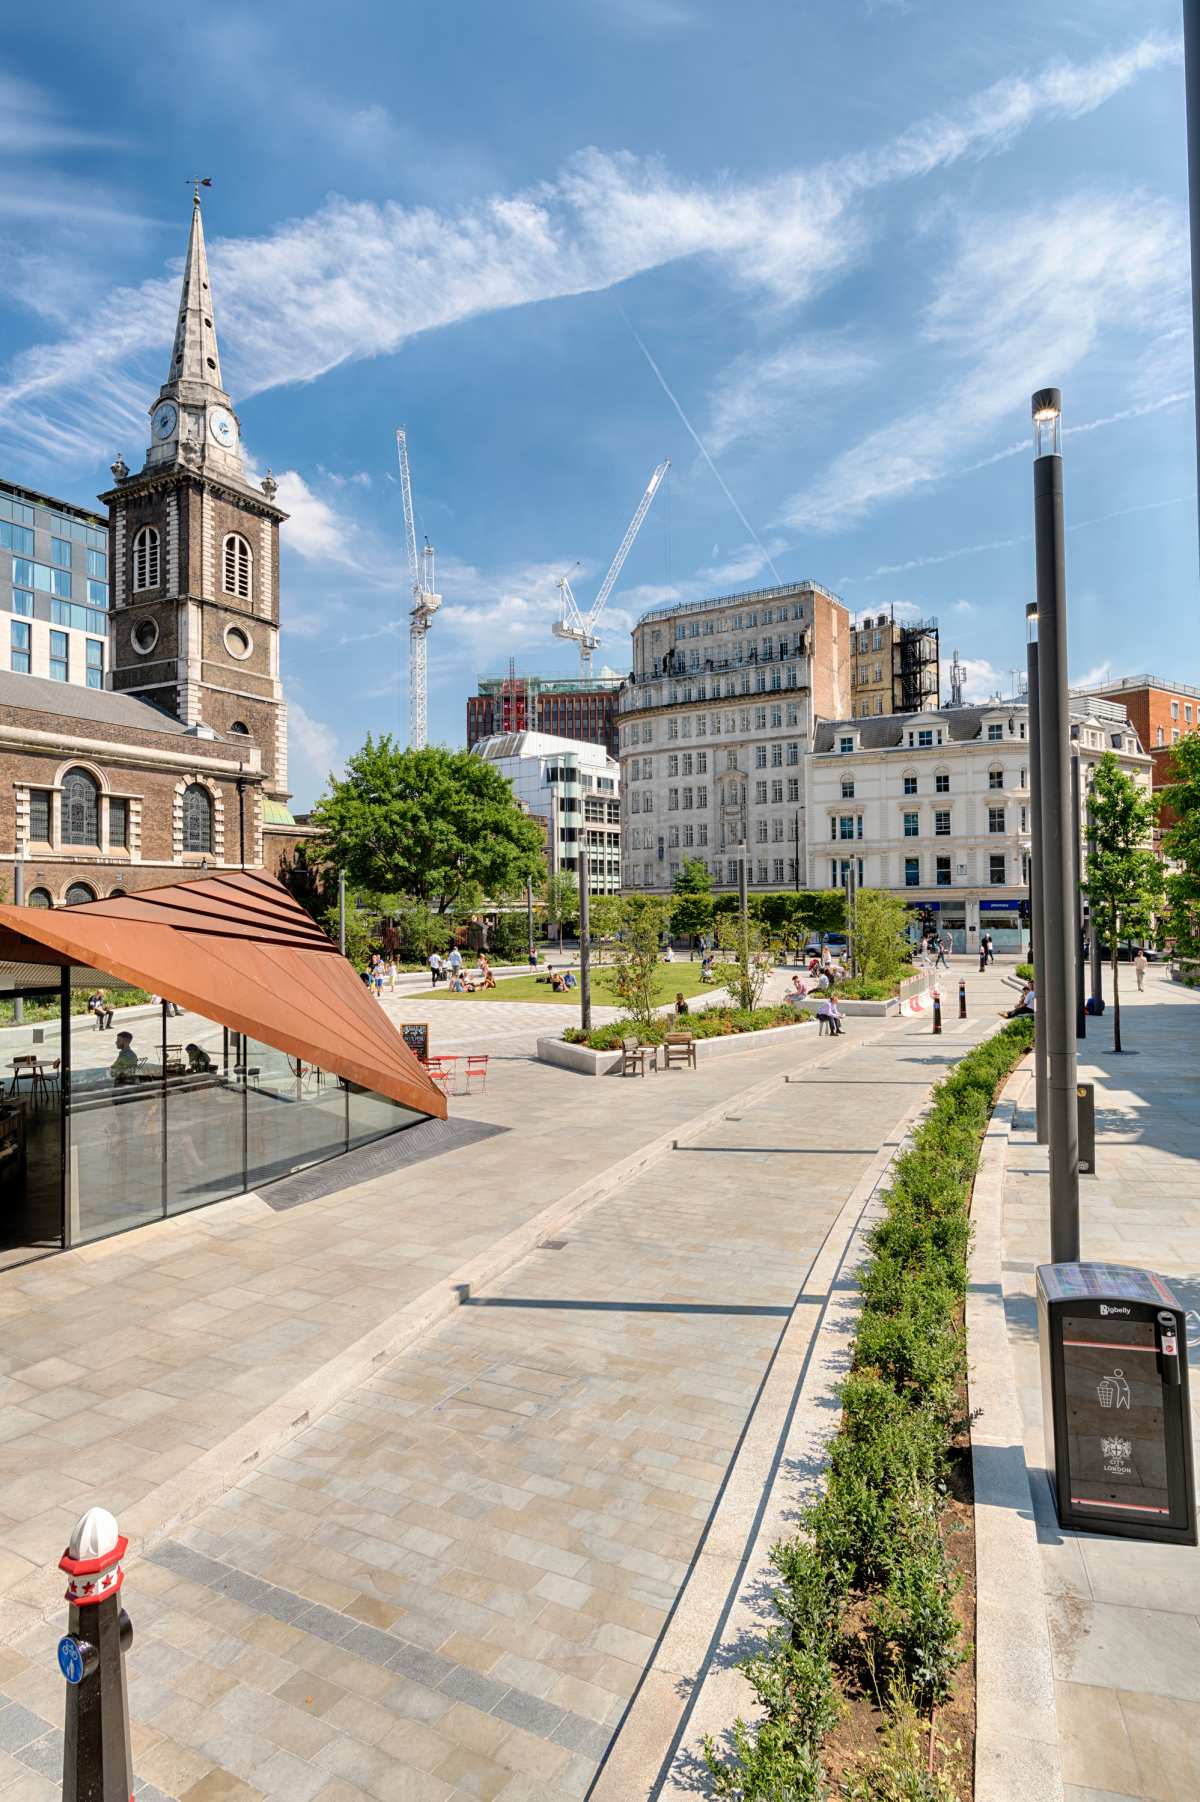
x=223 y=427
x=164 y=421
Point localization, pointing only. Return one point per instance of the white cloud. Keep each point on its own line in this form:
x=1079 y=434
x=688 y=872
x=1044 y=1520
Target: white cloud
x=313 y=753
x=982 y=680
x=1026 y=296
x=1091 y=678
x=757 y=393
x=358 y=279
x=962 y=606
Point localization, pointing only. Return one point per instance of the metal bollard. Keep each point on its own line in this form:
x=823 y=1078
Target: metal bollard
x=1086 y=1096
x=937 y=1011
x=97 y=1758
x=962 y=997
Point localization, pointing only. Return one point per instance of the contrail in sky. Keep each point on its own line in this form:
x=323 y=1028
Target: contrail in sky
x=692 y=434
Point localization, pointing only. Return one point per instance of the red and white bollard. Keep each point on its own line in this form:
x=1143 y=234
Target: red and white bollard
x=97 y=1757
x=937 y=1010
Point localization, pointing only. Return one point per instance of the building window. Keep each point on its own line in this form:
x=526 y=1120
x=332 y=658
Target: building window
x=77 y=895
x=997 y=869
x=845 y=744
x=95 y=663
x=924 y=739
x=39 y=814
x=16 y=538
x=60 y=670
x=60 y=552
x=80 y=809
x=145 y=559
x=760 y=757
x=23 y=602
x=777 y=791
x=39 y=897
x=995 y=734
x=236 y=566
x=941 y=783
x=97 y=565
x=910 y=785
x=793 y=788
x=118 y=825
x=240 y=727
x=995 y=819
x=197 y=818
x=995 y=778
x=846 y=825
x=941 y=824
x=847 y=788
x=911 y=825
x=1160 y=737
x=19 y=654
x=833 y=825
x=912 y=872
x=1174 y=708
x=943 y=872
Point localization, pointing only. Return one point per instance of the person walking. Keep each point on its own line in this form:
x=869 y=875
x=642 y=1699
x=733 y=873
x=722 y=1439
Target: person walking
x=435 y=967
x=455 y=960
x=1140 y=967
x=392 y=973
x=991 y=949
x=943 y=945
x=982 y=956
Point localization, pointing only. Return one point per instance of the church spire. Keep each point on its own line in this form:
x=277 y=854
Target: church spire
x=194 y=356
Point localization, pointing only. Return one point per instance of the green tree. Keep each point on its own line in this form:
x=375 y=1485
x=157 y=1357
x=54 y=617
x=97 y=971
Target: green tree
x=359 y=937
x=1180 y=801
x=1124 y=878
x=744 y=962
x=693 y=910
x=880 y=945
x=604 y=918
x=437 y=825
x=643 y=920
x=560 y=893
x=421 y=930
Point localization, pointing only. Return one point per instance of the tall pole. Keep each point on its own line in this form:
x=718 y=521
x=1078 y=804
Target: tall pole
x=18 y=901
x=1191 y=78
x=529 y=908
x=743 y=886
x=1060 y=946
x=1077 y=898
x=585 y=949
x=1037 y=910
x=1094 y=958
x=797 y=863
x=342 y=912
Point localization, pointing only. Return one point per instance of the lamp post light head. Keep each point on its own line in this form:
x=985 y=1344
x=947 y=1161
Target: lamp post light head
x=1047 y=423
x=1031 y=620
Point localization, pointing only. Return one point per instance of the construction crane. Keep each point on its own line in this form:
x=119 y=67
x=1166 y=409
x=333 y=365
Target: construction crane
x=580 y=627
x=422 y=574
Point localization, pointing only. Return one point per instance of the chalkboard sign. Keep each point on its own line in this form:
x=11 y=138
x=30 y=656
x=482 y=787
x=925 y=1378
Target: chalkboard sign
x=416 y=1037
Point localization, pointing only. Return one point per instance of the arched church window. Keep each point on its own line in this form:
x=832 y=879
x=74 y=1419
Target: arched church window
x=77 y=894
x=237 y=566
x=39 y=897
x=240 y=726
x=146 y=558
x=197 y=818
x=80 y=809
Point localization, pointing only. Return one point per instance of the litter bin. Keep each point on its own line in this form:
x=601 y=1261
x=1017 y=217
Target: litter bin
x=1115 y=1401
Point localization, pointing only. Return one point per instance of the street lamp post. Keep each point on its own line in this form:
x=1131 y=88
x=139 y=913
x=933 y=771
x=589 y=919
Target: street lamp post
x=1191 y=75
x=585 y=943
x=1060 y=945
x=1094 y=958
x=1077 y=896
x=1037 y=911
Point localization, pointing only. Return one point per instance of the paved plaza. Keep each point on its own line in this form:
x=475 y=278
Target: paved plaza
x=452 y=1582
x=1123 y=1617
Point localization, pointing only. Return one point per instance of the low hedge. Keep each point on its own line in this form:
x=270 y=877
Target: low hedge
x=865 y=988
x=1025 y=972
x=708 y=1023
x=867 y=1583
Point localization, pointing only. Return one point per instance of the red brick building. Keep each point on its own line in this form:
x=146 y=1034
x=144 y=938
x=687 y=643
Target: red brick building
x=564 y=706
x=1160 y=712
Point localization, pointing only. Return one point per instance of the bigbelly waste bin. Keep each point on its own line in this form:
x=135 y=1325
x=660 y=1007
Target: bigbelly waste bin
x=1113 y=1346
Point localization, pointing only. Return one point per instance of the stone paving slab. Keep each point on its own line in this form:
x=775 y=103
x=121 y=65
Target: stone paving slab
x=1123 y=1617
x=452 y=1583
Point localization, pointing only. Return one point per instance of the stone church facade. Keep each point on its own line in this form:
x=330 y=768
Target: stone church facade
x=180 y=763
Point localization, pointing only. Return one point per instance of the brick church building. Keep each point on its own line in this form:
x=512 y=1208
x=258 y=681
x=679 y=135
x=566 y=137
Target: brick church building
x=180 y=762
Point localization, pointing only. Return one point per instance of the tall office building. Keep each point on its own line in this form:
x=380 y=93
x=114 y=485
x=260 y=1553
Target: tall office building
x=53 y=588
x=716 y=720
x=584 y=708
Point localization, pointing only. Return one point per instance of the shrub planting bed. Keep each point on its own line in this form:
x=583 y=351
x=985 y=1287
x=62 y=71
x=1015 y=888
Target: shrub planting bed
x=865 y=1683
x=707 y=1023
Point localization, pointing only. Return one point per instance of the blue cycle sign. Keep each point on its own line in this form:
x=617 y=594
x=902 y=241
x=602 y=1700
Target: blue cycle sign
x=70 y=1659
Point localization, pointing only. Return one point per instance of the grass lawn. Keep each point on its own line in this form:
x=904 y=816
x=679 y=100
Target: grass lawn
x=670 y=980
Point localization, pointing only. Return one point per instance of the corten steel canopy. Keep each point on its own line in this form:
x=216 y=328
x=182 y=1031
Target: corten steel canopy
x=239 y=950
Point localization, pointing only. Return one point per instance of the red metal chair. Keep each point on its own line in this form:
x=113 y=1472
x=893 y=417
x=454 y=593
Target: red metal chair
x=440 y=1074
x=477 y=1065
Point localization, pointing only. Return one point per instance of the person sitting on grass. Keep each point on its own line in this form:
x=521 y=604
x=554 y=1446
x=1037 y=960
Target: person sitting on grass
x=558 y=981
x=486 y=978
x=569 y=979
x=706 y=968
x=681 y=1006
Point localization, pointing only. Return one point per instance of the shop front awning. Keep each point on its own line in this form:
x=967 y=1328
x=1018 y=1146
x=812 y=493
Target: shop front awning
x=238 y=949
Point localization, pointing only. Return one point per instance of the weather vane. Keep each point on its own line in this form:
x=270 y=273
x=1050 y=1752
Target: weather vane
x=197 y=182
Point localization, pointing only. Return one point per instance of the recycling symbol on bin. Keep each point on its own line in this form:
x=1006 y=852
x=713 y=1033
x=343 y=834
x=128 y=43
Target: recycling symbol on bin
x=1113 y=1391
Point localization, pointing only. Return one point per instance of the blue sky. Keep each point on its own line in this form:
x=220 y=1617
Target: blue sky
x=853 y=234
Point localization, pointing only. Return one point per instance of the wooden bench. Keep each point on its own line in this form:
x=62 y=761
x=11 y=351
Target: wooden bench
x=679 y=1048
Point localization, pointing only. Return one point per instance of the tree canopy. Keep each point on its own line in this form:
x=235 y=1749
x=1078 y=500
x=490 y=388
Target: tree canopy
x=1181 y=843
x=437 y=825
x=693 y=909
x=1124 y=877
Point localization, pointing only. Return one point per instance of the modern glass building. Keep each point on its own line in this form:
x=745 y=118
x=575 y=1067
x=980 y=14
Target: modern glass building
x=54 y=588
x=259 y=1053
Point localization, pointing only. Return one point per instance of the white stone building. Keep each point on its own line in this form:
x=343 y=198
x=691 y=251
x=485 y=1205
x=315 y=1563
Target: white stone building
x=574 y=788
x=935 y=807
x=715 y=723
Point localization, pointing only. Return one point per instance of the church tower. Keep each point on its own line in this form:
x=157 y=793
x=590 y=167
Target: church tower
x=194 y=553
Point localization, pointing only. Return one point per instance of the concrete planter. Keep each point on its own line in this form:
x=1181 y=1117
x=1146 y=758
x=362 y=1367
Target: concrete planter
x=868 y=1010
x=586 y=1062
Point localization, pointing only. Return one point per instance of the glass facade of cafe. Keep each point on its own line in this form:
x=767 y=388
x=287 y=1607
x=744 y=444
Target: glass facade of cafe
x=110 y=1121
